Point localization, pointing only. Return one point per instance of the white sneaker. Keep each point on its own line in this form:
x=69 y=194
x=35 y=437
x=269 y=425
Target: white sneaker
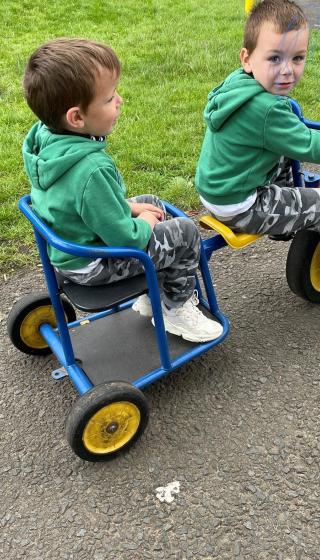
x=190 y=323
x=143 y=306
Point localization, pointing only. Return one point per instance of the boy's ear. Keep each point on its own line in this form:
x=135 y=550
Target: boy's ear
x=245 y=60
x=74 y=117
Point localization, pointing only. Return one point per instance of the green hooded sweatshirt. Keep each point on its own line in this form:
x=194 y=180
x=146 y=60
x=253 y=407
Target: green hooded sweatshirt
x=248 y=131
x=78 y=191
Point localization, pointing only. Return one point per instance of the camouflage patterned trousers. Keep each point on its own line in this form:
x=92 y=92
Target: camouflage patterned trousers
x=279 y=208
x=174 y=247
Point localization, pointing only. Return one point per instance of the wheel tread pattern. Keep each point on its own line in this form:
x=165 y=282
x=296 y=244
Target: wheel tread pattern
x=298 y=265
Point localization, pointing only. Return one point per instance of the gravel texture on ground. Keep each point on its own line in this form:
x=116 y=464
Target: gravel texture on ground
x=312 y=10
x=237 y=427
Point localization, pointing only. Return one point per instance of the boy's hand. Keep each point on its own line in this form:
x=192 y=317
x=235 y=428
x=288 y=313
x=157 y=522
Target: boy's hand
x=137 y=208
x=149 y=217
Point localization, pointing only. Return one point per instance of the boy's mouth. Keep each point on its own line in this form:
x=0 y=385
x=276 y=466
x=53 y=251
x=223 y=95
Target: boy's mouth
x=283 y=85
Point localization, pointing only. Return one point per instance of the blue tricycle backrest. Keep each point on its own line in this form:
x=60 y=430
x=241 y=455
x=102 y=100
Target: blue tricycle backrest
x=89 y=251
x=44 y=232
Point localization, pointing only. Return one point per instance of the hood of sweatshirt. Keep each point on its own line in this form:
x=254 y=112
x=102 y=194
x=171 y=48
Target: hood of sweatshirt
x=48 y=156
x=229 y=96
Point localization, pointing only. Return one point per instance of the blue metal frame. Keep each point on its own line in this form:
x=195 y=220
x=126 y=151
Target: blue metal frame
x=59 y=339
x=304 y=178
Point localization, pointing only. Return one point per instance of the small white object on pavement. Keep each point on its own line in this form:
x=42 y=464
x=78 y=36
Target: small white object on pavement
x=166 y=493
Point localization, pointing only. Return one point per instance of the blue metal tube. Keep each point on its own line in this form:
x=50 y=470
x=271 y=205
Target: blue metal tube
x=79 y=379
x=55 y=299
x=157 y=315
x=296 y=108
x=297 y=173
x=88 y=251
x=213 y=244
x=174 y=211
x=44 y=235
x=298 y=111
x=151 y=377
x=53 y=340
x=207 y=280
x=100 y=314
x=311 y=124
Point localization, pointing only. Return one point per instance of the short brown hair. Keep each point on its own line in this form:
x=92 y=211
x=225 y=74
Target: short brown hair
x=285 y=15
x=62 y=73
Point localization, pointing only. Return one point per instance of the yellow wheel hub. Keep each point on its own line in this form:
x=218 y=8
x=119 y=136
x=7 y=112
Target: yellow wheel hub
x=111 y=427
x=29 y=329
x=315 y=269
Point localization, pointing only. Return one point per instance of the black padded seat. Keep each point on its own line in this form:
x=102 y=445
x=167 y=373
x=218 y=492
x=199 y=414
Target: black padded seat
x=100 y=298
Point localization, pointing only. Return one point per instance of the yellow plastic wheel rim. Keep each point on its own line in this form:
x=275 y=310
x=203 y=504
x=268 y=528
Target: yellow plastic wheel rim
x=29 y=328
x=111 y=427
x=315 y=269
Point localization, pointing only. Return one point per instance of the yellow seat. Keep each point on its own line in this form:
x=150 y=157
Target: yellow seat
x=235 y=240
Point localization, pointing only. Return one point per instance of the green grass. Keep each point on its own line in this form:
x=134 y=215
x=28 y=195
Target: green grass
x=172 y=52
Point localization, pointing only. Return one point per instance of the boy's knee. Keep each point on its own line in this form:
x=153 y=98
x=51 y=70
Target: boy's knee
x=188 y=230
x=180 y=231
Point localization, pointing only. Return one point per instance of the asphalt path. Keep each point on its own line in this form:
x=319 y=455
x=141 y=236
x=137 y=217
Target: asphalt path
x=238 y=428
x=311 y=9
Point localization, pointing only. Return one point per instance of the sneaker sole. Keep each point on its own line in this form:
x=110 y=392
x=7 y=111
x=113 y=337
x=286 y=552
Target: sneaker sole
x=178 y=332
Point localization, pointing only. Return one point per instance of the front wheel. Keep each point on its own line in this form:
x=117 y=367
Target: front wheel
x=303 y=265
x=106 y=421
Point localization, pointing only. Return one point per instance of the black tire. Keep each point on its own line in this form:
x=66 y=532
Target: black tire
x=303 y=265
x=25 y=318
x=106 y=421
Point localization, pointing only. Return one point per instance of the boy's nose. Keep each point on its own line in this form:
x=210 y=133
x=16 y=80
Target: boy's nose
x=286 y=67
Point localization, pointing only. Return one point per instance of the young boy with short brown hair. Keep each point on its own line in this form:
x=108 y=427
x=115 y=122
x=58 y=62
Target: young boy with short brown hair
x=71 y=85
x=243 y=175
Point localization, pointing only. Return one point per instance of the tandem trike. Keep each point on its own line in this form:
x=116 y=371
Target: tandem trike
x=111 y=353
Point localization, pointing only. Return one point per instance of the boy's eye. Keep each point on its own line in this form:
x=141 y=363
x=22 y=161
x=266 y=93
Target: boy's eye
x=299 y=58
x=275 y=59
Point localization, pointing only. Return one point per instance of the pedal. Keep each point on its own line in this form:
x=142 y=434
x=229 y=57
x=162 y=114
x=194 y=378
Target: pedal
x=283 y=237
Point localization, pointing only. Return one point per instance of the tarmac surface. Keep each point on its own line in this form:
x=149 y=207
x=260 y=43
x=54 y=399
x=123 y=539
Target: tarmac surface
x=238 y=428
x=312 y=11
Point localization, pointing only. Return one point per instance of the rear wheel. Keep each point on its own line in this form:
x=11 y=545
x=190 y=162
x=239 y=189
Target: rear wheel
x=303 y=265
x=106 y=421
x=26 y=317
